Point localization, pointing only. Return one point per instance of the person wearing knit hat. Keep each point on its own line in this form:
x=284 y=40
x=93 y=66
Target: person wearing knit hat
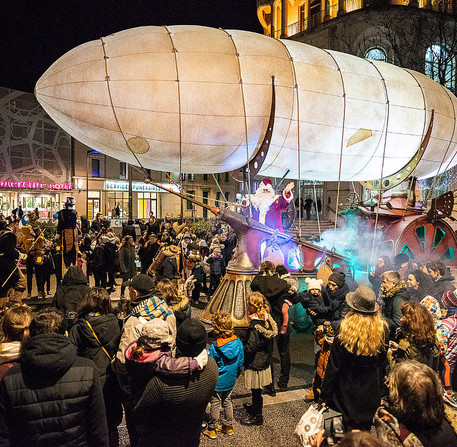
x=337 y=289
x=316 y=301
x=172 y=400
x=449 y=303
x=151 y=355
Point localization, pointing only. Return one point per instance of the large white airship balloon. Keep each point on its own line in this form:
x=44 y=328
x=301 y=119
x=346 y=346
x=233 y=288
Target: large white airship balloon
x=191 y=98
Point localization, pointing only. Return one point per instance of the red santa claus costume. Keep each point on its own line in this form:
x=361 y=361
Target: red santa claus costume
x=267 y=206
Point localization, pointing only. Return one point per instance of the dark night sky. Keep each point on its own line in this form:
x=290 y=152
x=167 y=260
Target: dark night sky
x=34 y=33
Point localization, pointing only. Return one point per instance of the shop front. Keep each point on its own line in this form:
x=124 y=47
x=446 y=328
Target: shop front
x=47 y=197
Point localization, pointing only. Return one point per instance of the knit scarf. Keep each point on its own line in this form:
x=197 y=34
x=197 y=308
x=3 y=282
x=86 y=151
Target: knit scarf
x=152 y=307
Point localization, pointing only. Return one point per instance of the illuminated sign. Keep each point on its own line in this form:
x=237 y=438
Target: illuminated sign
x=34 y=185
x=115 y=185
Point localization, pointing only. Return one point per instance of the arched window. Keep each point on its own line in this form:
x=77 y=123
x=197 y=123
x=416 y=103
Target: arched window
x=440 y=65
x=376 y=54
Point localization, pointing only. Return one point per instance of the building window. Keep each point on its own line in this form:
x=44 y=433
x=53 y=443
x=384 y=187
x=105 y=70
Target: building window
x=315 y=13
x=205 y=201
x=440 y=66
x=189 y=204
x=205 y=177
x=122 y=170
x=376 y=54
x=95 y=167
x=302 y=20
x=227 y=178
x=147 y=202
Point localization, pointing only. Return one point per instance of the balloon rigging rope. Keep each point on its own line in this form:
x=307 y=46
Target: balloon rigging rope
x=342 y=144
x=383 y=160
x=107 y=79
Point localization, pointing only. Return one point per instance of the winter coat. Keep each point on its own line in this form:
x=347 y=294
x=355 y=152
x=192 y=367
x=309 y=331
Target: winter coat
x=144 y=310
x=168 y=269
x=129 y=230
x=108 y=332
x=70 y=293
x=443 y=285
x=98 y=261
x=316 y=306
x=157 y=362
x=274 y=289
x=8 y=260
x=171 y=410
x=337 y=300
x=147 y=253
x=217 y=265
x=395 y=434
x=229 y=356
x=52 y=398
x=258 y=350
x=127 y=262
x=111 y=253
x=393 y=299
x=353 y=384
x=428 y=355
x=10 y=352
x=181 y=309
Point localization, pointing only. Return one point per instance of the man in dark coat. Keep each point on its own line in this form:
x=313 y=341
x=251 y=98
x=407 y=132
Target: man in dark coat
x=276 y=291
x=52 y=397
x=129 y=230
x=70 y=293
x=308 y=205
x=148 y=251
x=442 y=277
x=178 y=400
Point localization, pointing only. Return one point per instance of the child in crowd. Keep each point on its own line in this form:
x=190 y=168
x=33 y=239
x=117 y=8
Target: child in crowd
x=200 y=281
x=258 y=353
x=217 y=267
x=323 y=336
x=227 y=350
x=151 y=355
x=316 y=304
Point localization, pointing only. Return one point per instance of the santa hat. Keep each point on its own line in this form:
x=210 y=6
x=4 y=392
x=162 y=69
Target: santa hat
x=266 y=181
x=314 y=283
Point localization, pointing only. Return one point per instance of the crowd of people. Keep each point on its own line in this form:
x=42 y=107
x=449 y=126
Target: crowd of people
x=385 y=355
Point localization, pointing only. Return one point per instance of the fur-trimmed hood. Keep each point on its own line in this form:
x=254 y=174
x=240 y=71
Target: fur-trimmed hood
x=268 y=328
x=180 y=305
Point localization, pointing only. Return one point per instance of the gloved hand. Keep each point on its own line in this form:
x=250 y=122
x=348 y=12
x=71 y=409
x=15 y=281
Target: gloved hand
x=202 y=359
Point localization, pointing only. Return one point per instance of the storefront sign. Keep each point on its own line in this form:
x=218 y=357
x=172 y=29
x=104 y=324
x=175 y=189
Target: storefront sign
x=34 y=185
x=114 y=185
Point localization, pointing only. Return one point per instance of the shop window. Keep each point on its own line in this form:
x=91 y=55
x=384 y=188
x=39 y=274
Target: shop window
x=376 y=54
x=189 y=204
x=95 y=167
x=122 y=170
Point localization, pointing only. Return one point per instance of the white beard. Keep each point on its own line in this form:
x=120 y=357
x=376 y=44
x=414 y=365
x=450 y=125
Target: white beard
x=262 y=200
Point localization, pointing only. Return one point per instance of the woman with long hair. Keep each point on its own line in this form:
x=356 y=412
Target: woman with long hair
x=415 y=414
x=384 y=264
x=356 y=368
x=394 y=294
x=419 y=285
x=416 y=337
x=177 y=301
x=96 y=335
x=127 y=257
x=15 y=332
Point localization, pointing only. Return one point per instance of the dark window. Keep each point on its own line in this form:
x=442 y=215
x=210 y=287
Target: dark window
x=205 y=177
x=218 y=198
x=205 y=201
x=95 y=167
x=227 y=179
x=122 y=170
x=189 y=204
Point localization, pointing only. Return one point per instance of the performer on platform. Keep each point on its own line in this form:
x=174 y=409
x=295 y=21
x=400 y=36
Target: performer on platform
x=267 y=205
x=66 y=229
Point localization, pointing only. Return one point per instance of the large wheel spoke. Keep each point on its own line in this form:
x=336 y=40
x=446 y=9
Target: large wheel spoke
x=430 y=231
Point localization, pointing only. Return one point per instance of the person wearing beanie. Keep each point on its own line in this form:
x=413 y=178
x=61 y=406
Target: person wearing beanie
x=449 y=303
x=316 y=302
x=337 y=289
x=145 y=304
x=171 y=410
x=151 y=355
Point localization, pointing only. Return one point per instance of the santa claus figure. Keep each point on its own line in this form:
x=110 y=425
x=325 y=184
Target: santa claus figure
x=267 y=205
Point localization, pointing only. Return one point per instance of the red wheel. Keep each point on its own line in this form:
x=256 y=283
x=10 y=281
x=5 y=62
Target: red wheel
x=424 y=240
